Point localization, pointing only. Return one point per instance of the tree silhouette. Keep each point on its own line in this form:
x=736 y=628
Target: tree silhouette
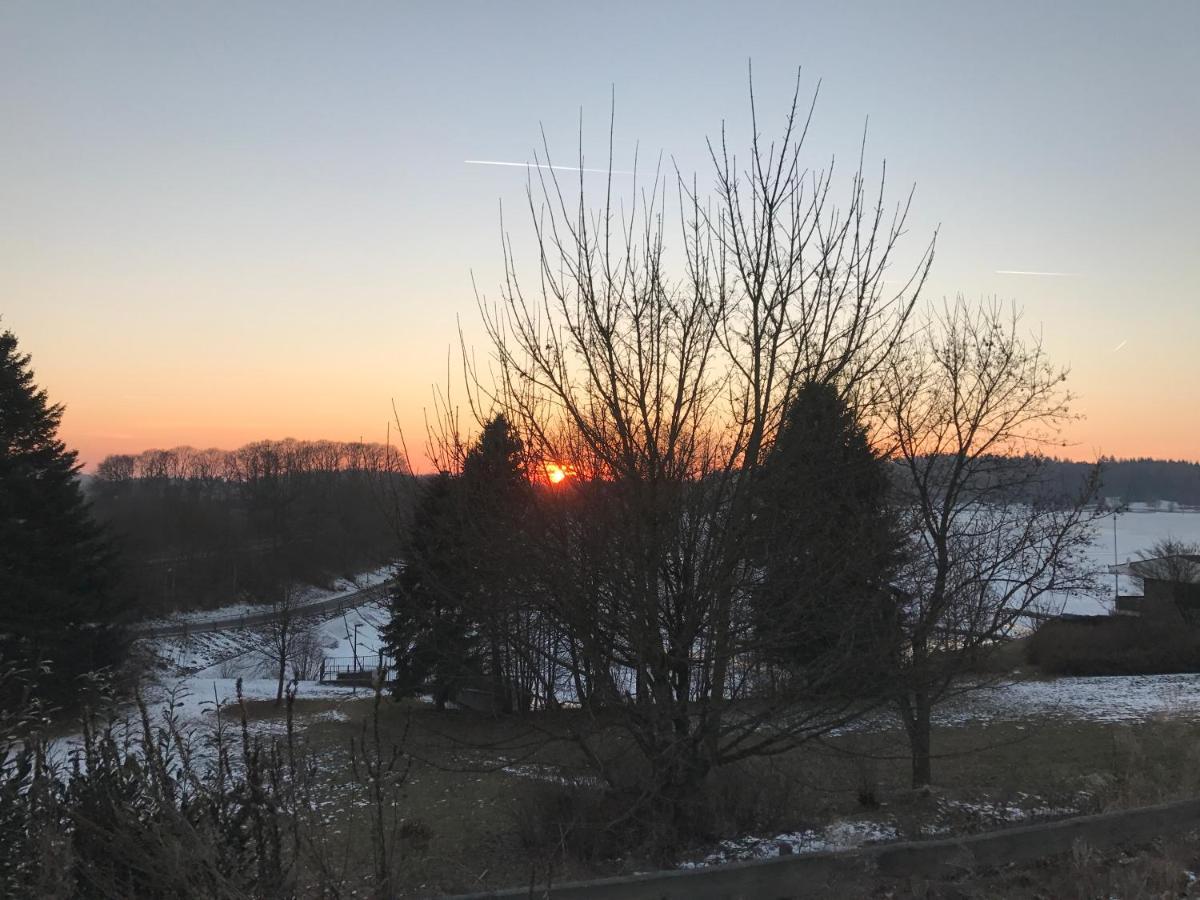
x=57 y=606
x=828 y=546
x=431 y=636
x=457 y=610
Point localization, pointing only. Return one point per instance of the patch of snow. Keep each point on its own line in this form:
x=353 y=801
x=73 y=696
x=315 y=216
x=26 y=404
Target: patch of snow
x=1114 y=698
x=840 y=835
x=339 y=631
x=551 y=775
x=1007 y=813
x=191 y=702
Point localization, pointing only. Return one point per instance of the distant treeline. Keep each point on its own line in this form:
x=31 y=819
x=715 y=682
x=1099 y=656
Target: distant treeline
x=1122 y=481
x=200 y=528
x=1138 y=480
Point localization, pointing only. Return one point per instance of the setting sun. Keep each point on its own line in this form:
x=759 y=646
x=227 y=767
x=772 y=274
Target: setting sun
x=556 y=473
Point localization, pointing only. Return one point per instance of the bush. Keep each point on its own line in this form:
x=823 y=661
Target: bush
x=1115 y=645
x=142 y=811
x=590 y=824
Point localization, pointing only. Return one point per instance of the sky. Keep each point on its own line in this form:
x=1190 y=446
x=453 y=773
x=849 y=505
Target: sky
x=225 y=222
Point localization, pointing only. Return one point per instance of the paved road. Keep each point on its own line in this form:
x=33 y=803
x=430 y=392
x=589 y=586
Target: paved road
x=329 y=605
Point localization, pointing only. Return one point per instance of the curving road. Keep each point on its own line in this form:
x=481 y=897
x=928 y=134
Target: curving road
x=328 y=605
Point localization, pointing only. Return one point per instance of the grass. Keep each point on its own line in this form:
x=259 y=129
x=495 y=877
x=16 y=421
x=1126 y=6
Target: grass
x=479 y=813
x=1163 y=869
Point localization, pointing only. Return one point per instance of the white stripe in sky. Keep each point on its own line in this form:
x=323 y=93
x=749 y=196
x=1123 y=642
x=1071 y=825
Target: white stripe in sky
x=1120 y=345
x=1051 y=274
x=519 y=165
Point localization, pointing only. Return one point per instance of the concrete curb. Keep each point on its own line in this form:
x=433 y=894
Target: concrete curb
x=809 y=874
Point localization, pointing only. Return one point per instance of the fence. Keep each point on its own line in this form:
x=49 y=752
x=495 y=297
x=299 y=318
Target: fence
x=361 y=668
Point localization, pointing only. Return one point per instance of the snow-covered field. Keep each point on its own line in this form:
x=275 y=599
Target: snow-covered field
x=227 y=652
x=1137 y=530
x=200 y=671
x=336 y=638
x=1115 y=698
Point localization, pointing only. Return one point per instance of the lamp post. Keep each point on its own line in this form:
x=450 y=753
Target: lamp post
x=1116 y=563
x=357 y=626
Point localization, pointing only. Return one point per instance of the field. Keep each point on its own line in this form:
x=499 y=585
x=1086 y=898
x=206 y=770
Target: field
x=485 y=803
x=496 y=802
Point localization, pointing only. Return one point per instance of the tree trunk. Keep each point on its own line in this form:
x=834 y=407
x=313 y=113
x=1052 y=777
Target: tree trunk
x=919 y=732
x=679 y=784
x=282 y=648
x=501 y=699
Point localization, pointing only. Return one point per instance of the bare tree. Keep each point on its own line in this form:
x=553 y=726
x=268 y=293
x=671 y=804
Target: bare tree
x=1172 y=566
x=663 y=392
x=1170 y=559
x=278 y=641
x=306 y=653
x=969 y=411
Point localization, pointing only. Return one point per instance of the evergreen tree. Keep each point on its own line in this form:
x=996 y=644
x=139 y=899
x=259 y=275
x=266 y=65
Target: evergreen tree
x=455 y=609
x=497 y=494
x=57 y=606
x=431 y=636
x=827 y=546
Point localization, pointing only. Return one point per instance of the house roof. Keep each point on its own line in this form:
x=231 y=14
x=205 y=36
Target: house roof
x=1187 y=565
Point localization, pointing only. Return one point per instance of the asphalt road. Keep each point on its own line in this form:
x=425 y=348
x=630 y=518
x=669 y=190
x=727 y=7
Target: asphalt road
x=329 y=605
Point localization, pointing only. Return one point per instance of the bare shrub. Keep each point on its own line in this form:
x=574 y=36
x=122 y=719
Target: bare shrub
x=555 y=820
x=155 y=807
x=307 y=654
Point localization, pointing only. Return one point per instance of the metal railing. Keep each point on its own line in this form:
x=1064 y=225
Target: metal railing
x=361 y=667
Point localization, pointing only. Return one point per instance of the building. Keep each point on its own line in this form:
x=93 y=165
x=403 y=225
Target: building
x=1170 y=586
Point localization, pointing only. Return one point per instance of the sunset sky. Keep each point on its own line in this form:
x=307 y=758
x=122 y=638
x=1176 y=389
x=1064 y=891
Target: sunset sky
x=225 y=222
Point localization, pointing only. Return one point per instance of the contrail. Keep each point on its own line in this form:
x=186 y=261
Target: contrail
x=1120 y=345
x=519 y=165
x=1051 y=274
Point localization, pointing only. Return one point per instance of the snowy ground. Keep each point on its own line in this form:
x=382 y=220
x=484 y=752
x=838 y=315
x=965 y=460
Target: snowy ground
x=200 y=671
x=1114 y=699
x=229 y=652
x=946 y=817
x=842 y=835
x=213 y=662
x=227 y=655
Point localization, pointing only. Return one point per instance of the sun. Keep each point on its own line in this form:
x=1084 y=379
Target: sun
x=556 y=473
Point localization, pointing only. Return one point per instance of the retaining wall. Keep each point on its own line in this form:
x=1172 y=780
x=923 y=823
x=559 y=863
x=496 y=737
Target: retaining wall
x=812 y=874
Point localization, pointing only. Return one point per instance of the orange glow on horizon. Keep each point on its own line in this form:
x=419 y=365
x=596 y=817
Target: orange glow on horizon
x=556 y=474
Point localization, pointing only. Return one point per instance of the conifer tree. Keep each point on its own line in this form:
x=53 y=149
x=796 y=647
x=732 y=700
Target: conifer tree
x=827 y=543
x=456 y=612
x=431 y=637
x=497 y=492
x=58 y=610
